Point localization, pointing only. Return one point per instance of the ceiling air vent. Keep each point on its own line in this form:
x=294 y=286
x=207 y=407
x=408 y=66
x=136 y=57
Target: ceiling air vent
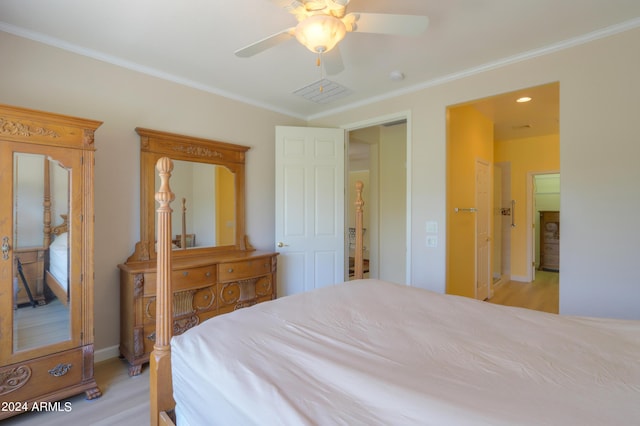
x=323 y=91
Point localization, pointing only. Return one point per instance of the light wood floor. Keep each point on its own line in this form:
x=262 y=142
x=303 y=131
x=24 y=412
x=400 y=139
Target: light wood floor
x=125 y=400
x=42 y=325
x=542 y=294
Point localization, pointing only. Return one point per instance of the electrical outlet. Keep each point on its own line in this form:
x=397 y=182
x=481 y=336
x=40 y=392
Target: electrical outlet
x=432 y=241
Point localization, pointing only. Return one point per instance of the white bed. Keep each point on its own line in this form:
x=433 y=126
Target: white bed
x=58 y=263
x=57 y=273
x=370 y=352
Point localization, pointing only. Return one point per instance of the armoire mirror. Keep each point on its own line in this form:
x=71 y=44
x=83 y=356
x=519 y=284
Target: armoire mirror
x=208 y=181
x=41 y=251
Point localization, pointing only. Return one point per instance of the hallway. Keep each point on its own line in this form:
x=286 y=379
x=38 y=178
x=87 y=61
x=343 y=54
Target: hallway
x=542 y=294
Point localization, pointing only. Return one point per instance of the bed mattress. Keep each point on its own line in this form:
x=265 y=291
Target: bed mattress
x=370 y=352
x=58 y=264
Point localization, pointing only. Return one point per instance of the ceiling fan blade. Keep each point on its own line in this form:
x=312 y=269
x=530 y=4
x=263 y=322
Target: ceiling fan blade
x=265 y=43
x=381 y=23
x=333 y=61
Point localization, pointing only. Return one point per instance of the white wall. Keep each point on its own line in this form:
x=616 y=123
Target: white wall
x=599 y=152
x=393 y=203
x=49 y=79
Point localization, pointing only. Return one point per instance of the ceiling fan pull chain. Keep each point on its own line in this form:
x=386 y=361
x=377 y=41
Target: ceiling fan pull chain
x=319 y=65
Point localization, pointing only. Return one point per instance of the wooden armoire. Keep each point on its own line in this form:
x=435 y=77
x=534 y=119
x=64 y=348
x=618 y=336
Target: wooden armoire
x=46 y=258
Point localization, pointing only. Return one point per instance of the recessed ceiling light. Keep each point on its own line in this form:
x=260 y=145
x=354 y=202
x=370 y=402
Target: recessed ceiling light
x=523 y=99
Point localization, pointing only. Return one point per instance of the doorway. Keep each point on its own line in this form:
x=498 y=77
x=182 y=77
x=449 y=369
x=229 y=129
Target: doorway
x=515 y=138
x=377 y=156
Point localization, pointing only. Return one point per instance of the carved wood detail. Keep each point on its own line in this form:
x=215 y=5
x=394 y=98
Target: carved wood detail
x=138 y=285
x=198 y=151
x=180 y=325
x=88 y=137
x=16 y=128
x=263 y=286
x=14 y=378
x=138 y=343
x=183 y=324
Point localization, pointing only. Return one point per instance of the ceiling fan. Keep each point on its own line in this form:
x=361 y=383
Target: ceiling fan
x=322 y=24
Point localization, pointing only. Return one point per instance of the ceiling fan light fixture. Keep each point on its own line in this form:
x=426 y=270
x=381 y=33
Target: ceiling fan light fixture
x=320 y=33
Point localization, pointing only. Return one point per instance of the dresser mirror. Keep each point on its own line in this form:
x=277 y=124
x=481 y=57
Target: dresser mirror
x=208 y=183
x=204 y=207
x=41 y=251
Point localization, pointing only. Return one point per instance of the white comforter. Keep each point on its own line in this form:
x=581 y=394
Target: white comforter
x=374 y=353
x=58 y=260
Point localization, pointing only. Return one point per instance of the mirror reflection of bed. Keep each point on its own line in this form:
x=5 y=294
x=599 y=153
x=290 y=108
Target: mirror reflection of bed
x=41 y=265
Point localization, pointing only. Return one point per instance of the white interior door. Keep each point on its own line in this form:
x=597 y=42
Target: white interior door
x=483 y=228
x=309 y=208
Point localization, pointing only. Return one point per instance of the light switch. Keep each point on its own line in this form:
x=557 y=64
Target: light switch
x=432 y=227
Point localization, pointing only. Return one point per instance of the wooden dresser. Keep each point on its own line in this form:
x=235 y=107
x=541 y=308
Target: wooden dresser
x=214 y=269
x=550 y=241
x=203 y=287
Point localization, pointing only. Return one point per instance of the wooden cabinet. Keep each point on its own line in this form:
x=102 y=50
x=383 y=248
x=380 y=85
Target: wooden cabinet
x=203 y=287
x=46 y=176
x=550 y=241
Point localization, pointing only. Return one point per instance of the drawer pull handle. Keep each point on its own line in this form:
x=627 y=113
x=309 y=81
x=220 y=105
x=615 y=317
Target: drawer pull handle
x=208 y=274
x=230 y=270
x=185 y=273
x=60 y=370
x=229 y=291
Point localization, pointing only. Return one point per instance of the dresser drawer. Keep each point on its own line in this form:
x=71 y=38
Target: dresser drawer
x=246 y=269
x=242 y=293
x=551 y=249
x=181 y=279
x=43 y=375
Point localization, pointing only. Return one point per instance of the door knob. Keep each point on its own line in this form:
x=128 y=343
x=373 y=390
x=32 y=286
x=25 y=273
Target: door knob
x=281 y=244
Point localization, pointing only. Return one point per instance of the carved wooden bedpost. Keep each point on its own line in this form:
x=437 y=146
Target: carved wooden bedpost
x=358 y=261
x=183 y=235
x=47 y=205
x=160 y=359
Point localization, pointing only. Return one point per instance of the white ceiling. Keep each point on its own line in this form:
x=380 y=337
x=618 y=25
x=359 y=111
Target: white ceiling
x=193 y=42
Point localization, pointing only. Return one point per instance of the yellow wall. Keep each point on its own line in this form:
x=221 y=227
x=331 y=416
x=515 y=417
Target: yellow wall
x=469 y=138
x=225 y=212
x=525 y=155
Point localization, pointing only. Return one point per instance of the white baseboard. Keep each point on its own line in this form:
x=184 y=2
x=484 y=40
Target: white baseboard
x=106 y=353
x=520 y=278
